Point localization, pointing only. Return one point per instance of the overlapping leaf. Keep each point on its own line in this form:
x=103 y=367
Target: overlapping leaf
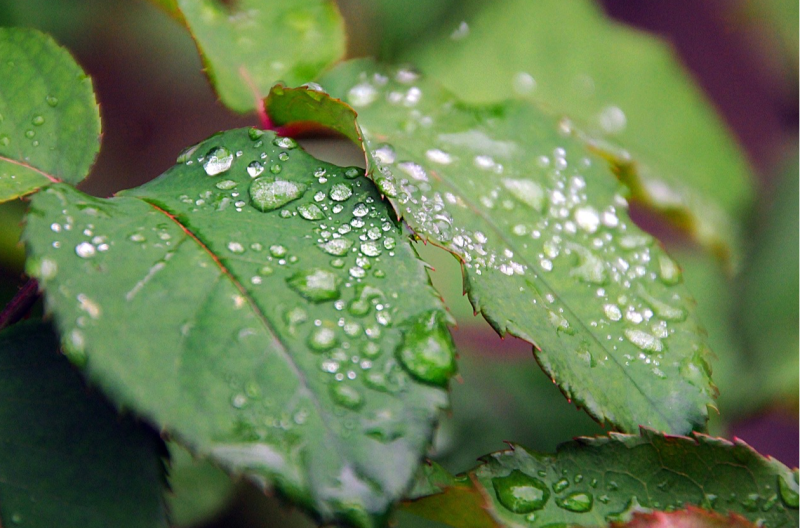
x=541 y=228
x=67 y=459
x=261 y=306
x=596 y=481
x=249 y=45
x=618 y=83
x=49 y=119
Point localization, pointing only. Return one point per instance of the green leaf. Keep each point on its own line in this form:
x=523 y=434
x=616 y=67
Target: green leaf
x=249 y=45
x=768 y=310
x=49 y=119
x=616 y=82
x=595 y=481
x=541 y=227
x=260 y=305
x=68 y=459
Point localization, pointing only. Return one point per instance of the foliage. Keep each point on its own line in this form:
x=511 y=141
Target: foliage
x=268 y=313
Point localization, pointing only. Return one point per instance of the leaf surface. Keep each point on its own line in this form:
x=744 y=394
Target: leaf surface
x=261 y=306
x=249 y=45
x=596 y=481
x=617 y=83
x=49 y=119
x=68 y=459
x=541 y=227
x=689 y=518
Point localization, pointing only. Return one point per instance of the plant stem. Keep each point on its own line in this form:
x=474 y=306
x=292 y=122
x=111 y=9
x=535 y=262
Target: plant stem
x=21 y=304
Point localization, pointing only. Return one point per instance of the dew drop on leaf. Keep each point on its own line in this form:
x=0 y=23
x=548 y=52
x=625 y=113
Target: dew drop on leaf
x=316 y=285
x=788 y=488
x=427 y=350
x=340 y=192
x=217 y=161
x=310 y=212
x=268 y=194
x=346 y=395
x=526 y=192
x=255 y=168
x=578 y=502
x=560 y=485
x=284 y=143
x=322 y=338
x=520 y=493
x=336 y=246
x=85 y=250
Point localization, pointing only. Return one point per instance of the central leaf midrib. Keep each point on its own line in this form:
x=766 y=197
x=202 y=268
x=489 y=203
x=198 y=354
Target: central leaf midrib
x=284 y=350
x=444 y=179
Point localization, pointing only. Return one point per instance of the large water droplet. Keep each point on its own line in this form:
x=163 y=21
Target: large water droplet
x=788 y=488
x=560 y=485
x=336 y=246
x=643 y=340
x=578 y=502
x=85 y=250
x=218 y=160
x=255 y=168
x=315 y=285
x=284 y=143
x=268 y=194
x=310 y=212
x=346 y=395
x=521 y=493
x=322 y=338
x=341 y=192
x=427 y=349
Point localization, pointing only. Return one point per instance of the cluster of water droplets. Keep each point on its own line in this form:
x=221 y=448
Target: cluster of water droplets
x=31 y=131
x=526 y=215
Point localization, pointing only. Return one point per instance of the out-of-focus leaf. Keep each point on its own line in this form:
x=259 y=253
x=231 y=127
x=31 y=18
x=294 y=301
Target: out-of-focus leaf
x=12 y=254
x=541 y=227
x=689 y=518
x=768 y=308
x=198 y=489
x=617 y=83
x=68 y=459
x=596 y=481
x=249 y=45
x=49 y=119
x=264 y=308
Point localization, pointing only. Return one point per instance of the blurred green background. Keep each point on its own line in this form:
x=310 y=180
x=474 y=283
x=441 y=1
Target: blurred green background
x=743 y=54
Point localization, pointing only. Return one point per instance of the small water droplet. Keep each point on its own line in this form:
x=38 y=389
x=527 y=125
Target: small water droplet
x=578 y=502
x=255 y=133
x=523 y=83
x=560 y=485
x=526 y=192
x=217 y=161
x=362 y=94
x=285 y=143
x=4 y=140
x=346 y=395
x=51 y=100
x=340 y=192
x=268 y=194
x=85 y=250
x=787 y=484
x=521 y=493
x=235 y=247
x=38 y=120
x=316 y=285
x=427 y=349
x=225 y=185
x=322 y=338
x=370 y=248
x=310 y=212
x=353 y=172
x=669 y=272
x=643 y=340
x=30 y=134
x=336 y=246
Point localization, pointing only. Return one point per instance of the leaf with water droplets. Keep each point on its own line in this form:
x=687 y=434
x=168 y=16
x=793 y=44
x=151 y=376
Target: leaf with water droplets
x=618 y=84
x=249 y=45
x=49 y=119
x=541 y=227
x=186 y=300
x=68 y=459
x=602 y=480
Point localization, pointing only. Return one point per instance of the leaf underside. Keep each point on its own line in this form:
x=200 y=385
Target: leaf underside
x=596 y=481
x=67 y=458
x=249 y=45
x=541 y=228
x=269 y=294
x=617 y=83
x=49 y=119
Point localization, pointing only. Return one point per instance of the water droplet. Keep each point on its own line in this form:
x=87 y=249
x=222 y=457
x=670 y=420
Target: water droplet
x=341 y=192
x=239 y=401
x=590 y=267
x=37 y=120
x=587 y=218
x=612 y=311
x=352 y=172
x=85 y=250
x=521 y=493
x=787 y=484
x=255 y=168
x=30 y=134
x=51 y=100
x=284 y=143
x=360 y=210
x=316 y=285
x=225 y=185
x=278 y=250
x=560 y=485
x=612 y=120
x=523 y=83
x=310 y=212
x=255 y=133
x=268 y=194
x=417 y=172
x=235 y=247
x=336 y=246
x=427 y=349
x=16 y=518
x=578 y=502
x=4 y=140
x=669 y=272
x=643 y=340
x=362 y=94
x=346 y=395
x=370 y=248
x=217 y=161
x=276 y=168
x=527 y=192
x=560 y=323
x=750 y=503
x=322 y=338
x=439 y=156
